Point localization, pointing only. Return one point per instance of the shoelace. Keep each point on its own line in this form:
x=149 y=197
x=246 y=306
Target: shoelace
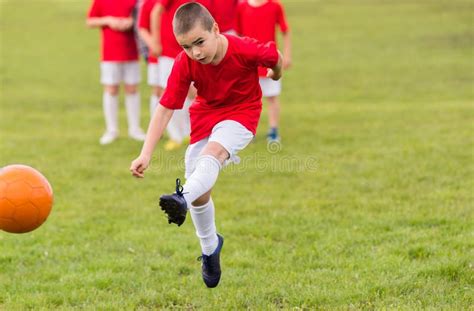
x=179 y=188
x=203 y=258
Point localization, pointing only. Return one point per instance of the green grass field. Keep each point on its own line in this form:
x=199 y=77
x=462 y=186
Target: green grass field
x=368 y=205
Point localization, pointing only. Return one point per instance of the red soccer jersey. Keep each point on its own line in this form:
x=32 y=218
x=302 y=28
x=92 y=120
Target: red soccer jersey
x=260 y=22
x=117 y=46
x=170 y=46
x=225 y=12
x=144 y=21
x=227 y=91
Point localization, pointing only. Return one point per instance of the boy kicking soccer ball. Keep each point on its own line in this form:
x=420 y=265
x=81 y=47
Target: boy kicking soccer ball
x=224 y=118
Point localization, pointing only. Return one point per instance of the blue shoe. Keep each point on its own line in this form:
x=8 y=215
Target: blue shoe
x=174 y=205
x=211 y=265
x=272 y=135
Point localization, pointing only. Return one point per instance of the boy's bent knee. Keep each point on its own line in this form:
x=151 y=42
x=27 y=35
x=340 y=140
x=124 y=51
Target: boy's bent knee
x=217 y=151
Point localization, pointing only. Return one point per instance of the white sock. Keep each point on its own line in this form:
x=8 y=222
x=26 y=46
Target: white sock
x=110 y=106
x=132 y=103
x=154 y=100
x=202 y=179
x=204 y=222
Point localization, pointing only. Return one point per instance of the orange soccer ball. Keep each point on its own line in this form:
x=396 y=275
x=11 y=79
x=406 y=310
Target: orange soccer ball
x=26 y=198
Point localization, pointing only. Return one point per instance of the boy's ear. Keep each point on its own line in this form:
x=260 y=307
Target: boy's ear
x=215 y=29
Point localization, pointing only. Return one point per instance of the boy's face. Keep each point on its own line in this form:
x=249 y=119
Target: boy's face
x=200 y=44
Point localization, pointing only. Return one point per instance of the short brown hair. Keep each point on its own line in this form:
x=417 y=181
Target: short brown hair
x=188 y=15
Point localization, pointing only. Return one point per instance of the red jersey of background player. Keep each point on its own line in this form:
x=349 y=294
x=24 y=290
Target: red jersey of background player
x=225 y=12
x=144 y=21
x=117 y=46
x=227 y=91
x=169 y=45
x=261 y=22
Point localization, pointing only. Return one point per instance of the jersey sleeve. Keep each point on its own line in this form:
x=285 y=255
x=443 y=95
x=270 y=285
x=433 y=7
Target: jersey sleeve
x=281 y=19
x=95 y=10
x=260 y=54
x=144 y=16
x=178 y=84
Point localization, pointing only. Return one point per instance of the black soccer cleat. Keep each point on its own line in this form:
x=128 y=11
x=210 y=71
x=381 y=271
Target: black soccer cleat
x=174 y=205
x=211 y=265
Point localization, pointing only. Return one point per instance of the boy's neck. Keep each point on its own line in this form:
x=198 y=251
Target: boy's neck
x=222 y=46
x=256 y=3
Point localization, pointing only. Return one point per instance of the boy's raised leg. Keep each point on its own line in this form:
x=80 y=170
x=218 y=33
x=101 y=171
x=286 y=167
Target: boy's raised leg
x=200 y=182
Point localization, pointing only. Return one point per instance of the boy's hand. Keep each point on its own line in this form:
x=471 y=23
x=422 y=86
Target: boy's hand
x=126 y=23
x=113 y=22
x=119 y=23
x=139 y=165
x=274 y=74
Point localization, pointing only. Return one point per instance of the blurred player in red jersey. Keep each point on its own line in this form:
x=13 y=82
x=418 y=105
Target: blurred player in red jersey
x=119 y=64
x=258 y=19
x=224 y=118
x=144 y=30
x=166 y=49
x=225 y=13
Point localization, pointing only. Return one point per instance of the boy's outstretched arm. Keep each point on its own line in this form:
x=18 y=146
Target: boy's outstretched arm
x=158 y=123
x=275 y=72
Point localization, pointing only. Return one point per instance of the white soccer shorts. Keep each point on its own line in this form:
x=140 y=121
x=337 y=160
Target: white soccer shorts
x=270 y=87
x=153 y=74
x=232 y=135
x=165 y=65
x=113 y=73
